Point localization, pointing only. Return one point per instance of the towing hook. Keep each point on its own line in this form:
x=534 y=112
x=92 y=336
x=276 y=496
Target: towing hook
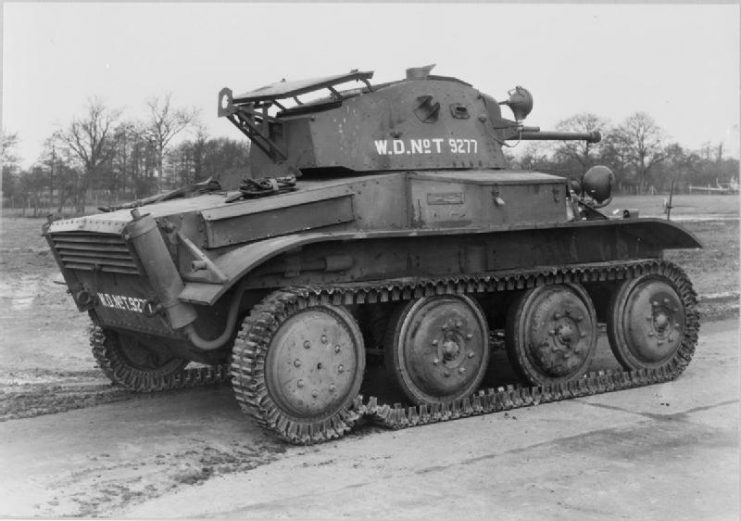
x=85 y=299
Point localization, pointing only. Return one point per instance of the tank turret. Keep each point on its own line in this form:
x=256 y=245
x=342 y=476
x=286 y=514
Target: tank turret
x=423 y=122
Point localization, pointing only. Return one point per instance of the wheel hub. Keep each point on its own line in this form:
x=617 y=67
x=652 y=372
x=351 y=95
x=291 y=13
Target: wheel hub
x=654 y=322
x=443 y=346
x=560 y=338
x=312 y=364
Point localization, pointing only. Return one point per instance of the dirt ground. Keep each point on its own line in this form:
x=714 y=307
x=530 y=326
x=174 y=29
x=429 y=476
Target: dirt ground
x=46 y=365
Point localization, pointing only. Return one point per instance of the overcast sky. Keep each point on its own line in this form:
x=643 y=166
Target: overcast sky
x=680 y=63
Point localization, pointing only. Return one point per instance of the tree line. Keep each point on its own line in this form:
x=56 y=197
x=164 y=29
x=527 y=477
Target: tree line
x=103 y=155
x=115 y=159
x=637 y=150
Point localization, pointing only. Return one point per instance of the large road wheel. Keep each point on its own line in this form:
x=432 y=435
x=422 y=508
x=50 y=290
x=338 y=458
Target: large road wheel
x=551 y=333
x=129 y=362
x=437 y=348
x=647 y=323
x=298 y=369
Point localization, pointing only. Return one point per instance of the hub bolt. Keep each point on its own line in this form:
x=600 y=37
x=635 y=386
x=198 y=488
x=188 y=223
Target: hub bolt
x=446 y=373
x=471 y=354
x=435 y=361
x=314 y=393
x=307 y=344
x=337 y=348
x=458 y=324
x=462 y=370
x=332 y=388
x=297 y=363
x=324 y=339
x=469 y=336
x=341 y=369
x=434 y=342
x=300 y=384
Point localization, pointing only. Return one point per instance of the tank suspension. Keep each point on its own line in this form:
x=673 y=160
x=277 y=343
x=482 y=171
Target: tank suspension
x=637 y=278
x=482 y=401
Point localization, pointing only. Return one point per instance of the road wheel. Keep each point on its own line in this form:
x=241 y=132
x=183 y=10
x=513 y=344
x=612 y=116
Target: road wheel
x=647 y=322
x=551 y=333
x=298 y=368
x=437 y=348
x=129 y=362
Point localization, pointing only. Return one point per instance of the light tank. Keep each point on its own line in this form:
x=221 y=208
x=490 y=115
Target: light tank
x=380 y=228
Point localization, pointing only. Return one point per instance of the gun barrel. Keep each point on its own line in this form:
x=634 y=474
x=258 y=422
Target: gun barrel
x=529 y=135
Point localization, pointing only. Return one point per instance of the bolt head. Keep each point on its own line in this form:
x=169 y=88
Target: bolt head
x=556 y=316
x=458 y=324
x=446 y=373
x=435 y=361
x=300 y=384
x=471 y=354
x=462 y=370
x=340 y=368
x=297 y=363
x=315 y=393
x=469 y=336
x=307 y=344
x=332 y=388
x=337 y=348
x=434 y=342
x=324 y=339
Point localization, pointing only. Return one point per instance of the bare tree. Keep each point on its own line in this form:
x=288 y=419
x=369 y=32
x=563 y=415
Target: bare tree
x=89 y=140
x=164 y=123
x=9 y=160
x=585 y=154
x=639 y=141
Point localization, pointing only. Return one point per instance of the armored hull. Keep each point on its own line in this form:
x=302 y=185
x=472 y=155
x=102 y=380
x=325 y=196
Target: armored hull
x=368 y=258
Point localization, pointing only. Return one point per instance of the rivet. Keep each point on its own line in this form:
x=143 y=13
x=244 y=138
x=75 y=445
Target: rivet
x=434 y=342
x=300 y=383
x=297 y=363
x=471 y=354
x=650 y=333
x=458 y=324
x=469 y=336
x=341 y=368
x=324 y=339
x=435 y=361
x=556 y=316
x=337 y=348
x=444 y=327
x=462 y=370
x=659 y=342
x=446 y=373
x=566 y=354
x=307 y=344
x=315 y=393
x=676 y=325
x=332 y=388
x=666 y=301
x=551 y=331
x=655 y=303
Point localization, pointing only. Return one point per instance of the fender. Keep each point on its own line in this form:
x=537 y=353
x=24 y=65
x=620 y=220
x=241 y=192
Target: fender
x=659 y=234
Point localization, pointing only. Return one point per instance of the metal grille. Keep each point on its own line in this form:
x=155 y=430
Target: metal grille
x=94 y=251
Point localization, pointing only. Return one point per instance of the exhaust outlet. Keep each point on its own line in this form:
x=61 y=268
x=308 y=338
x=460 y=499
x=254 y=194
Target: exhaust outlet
x=159 y=268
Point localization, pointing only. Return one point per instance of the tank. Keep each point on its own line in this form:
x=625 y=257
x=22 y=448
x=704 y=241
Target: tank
x=381 y=262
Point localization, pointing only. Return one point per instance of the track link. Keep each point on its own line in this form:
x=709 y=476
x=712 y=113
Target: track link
x=266 y=317
x=120 y=372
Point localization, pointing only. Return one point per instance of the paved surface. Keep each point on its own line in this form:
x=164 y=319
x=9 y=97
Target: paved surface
x=664 y=452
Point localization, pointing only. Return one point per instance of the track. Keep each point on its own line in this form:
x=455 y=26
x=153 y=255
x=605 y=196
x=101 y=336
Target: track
x=249 y=384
